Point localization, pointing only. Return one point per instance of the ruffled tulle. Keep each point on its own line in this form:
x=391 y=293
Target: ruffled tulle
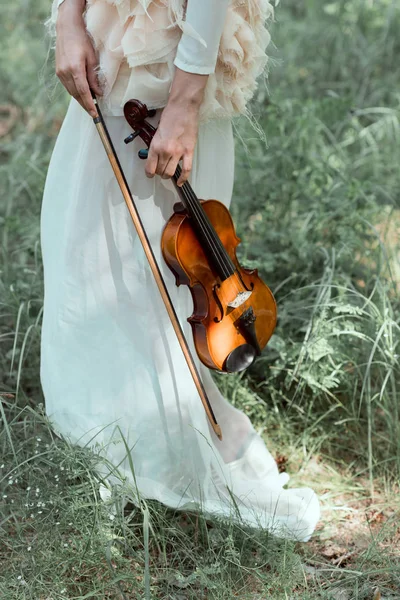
x=137 y=43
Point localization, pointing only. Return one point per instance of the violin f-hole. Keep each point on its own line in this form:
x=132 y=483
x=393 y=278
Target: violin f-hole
x=218 y=301
x=243 y=283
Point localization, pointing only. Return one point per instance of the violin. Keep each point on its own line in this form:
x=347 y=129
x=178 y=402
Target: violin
x=234 y=312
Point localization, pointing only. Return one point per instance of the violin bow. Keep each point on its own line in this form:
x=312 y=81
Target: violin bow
x=121 y=179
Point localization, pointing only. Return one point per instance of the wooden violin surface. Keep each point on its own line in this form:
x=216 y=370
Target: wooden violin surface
x=215 y=324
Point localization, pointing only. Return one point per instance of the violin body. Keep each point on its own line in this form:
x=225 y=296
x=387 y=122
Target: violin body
x=215 y=324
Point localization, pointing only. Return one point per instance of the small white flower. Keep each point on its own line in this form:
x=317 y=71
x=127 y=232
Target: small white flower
x=63 y=591
x=2 y=466
x=32 y=516
x=28 y=488
x=37 y=490
x=39 y=439
x=70 y=523
x=111 y=517
x=40 y=512
x=58 y=522
x=19 y=577
x=65 y=545
x=10 y=482
x=29 y=548
x=4 y=495
x=61 y=468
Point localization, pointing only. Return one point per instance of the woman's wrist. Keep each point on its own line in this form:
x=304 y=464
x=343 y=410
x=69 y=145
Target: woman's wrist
x=177 y=131
x=70 y=11
x=187 y=89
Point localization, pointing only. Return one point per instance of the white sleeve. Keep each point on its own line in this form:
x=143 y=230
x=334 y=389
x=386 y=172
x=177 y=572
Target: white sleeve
x=206 y=18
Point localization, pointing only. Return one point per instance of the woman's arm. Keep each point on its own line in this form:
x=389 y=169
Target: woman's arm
x=177 y=131
x=75 y=55
x=176 y=135
x=178 y=128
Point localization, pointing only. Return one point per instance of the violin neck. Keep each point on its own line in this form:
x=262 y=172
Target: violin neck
x=205 y=231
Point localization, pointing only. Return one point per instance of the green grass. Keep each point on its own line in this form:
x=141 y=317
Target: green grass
x=318 y=211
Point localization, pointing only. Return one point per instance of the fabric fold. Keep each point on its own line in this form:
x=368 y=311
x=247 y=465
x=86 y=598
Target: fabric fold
x=137 y=43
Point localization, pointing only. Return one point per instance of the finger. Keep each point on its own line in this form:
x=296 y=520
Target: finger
x=151 y=162
x=163 y=160
x=170 y=168
x=69 y=85
x=93 y=78
x=187 y=164
x=83 y=90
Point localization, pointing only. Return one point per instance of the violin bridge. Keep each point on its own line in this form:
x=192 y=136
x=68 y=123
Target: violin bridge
x=240 y=299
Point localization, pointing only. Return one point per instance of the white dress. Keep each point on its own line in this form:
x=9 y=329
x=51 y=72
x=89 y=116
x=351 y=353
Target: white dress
x=111 y=365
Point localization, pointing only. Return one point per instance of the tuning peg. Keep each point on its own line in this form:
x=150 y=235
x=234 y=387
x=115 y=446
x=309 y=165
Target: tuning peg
x=131 y=137
x=143 y=153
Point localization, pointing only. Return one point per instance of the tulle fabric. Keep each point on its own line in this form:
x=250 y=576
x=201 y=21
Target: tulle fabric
x=138 y=40
x=111 y=365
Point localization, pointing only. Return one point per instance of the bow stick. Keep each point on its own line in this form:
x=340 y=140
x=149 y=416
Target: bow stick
x=120 y=176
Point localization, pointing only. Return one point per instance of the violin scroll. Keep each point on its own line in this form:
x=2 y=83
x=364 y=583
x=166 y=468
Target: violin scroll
x=136 y=113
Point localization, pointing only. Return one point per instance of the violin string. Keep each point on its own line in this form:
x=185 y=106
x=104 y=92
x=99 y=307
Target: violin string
x=206 y=230
x=238 y=283
x=228 y=272
x=194 y=203
x=224 y=259
x=216 y=239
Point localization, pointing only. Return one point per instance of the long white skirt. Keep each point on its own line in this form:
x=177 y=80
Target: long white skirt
x=111 y=365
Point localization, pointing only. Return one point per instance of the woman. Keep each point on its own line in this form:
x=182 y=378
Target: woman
x=112 y=370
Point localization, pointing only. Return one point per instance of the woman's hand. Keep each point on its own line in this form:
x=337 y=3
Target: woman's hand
x=177 y=131
x=75 y=56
